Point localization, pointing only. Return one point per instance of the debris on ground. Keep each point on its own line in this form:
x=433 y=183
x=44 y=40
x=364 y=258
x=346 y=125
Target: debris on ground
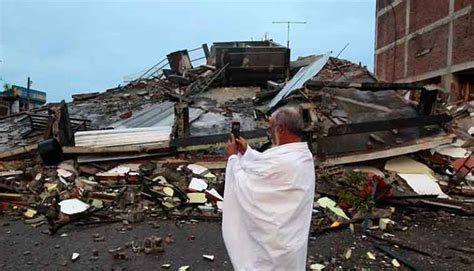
x=152 y=150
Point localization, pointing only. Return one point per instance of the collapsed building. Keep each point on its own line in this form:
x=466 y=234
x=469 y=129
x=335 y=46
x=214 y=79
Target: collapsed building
x=155 y=145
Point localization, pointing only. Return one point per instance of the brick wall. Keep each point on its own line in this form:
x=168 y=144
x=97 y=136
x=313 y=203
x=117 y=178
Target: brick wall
x=383 y=3
x=426 y=12
x=428 y=52
x=385 y=63
x=388 y=22
x=459 y=4
x=463 y=39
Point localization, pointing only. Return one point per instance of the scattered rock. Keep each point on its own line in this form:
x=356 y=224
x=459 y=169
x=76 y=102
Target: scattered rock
x=99 y=239
x=208 y=257
x=317 y=266
x=75 y=256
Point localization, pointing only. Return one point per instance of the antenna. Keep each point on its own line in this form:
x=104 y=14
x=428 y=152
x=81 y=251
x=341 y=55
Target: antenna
x=288 y=27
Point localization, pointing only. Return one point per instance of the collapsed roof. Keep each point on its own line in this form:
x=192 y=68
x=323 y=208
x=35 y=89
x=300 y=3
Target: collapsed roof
x=351 y=117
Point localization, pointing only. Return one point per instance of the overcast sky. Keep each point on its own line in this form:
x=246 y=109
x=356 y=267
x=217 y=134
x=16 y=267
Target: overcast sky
x=78 y=46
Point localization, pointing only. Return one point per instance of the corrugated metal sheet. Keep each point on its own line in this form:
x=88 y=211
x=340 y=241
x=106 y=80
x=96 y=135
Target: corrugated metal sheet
x=161 y=114
x=303 y=75
x=122 y=137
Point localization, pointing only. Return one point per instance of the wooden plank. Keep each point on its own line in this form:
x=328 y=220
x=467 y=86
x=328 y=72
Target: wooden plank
x=441 y=204
x=313 y=84
x=220 y=144
x=18 y=151
x=415 y=146
x=216 y=139
x=372 y=126
x=10 y=173
x=121 y=149
x=117 y=157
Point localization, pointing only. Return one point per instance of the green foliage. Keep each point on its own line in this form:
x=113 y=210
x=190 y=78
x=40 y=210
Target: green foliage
x=365 y=204
x=356 y=202
x=354 y=177
x=6 y=87
x=348 y=197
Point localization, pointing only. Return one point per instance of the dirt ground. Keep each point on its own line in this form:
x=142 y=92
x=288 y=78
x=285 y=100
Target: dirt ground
x=433 y=232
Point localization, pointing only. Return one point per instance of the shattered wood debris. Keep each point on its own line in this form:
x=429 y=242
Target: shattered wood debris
x=153 y=148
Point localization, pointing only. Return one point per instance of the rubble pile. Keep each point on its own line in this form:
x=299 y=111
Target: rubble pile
x=152 y=150
x=63 y=194
x=341 y=70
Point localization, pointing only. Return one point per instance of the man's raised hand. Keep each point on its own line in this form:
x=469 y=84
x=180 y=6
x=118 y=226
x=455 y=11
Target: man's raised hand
x=231 y=147
x=241 y=144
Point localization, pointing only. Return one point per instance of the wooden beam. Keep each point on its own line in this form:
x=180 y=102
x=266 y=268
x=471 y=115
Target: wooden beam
x=313 y=84
x=122 y=149
x=215 y=139
x=18 y=151
x=385 y=125
x=10 y=173
x=414 y=146
x=220 y=144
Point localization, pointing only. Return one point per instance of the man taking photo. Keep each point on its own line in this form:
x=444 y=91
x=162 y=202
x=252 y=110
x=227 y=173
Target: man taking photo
x=268 y=198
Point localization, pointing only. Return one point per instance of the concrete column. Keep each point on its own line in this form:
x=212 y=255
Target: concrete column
x=407 y=31
x=15 y=107
x=449 y=58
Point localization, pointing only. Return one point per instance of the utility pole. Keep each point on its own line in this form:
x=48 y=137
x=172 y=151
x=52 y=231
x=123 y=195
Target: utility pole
x=288 y=27
x=28 y=86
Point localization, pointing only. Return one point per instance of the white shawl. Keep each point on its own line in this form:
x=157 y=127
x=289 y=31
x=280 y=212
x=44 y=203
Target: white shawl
x=268 y=201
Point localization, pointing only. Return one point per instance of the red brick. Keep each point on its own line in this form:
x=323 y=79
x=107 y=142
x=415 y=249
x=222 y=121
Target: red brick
x=385 y=68
x=436 y=41
x=386 y=25
x=426 y=12
x=463 y=39
x=459 y=4
x=383 y=4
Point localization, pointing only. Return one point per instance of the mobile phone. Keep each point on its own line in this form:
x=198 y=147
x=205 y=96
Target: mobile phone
x=236 y=129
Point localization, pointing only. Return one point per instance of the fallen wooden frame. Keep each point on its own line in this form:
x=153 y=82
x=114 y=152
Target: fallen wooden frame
x=164 y=148
x=113 y=150
x=373 y=126
x=216 y=141
x=411 y=147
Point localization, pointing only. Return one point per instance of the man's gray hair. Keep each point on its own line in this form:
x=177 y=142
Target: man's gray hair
x=291 y=118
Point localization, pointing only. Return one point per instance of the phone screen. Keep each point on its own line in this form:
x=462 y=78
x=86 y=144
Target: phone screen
x=236 y=129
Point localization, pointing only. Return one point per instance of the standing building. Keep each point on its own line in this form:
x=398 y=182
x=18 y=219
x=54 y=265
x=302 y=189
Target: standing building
x=21 y=99
x=431 y=41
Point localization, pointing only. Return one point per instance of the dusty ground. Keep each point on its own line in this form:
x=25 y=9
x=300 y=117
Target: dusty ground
x=433 y=232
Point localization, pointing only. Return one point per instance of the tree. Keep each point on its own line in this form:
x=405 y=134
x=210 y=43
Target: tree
x=6 y=87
